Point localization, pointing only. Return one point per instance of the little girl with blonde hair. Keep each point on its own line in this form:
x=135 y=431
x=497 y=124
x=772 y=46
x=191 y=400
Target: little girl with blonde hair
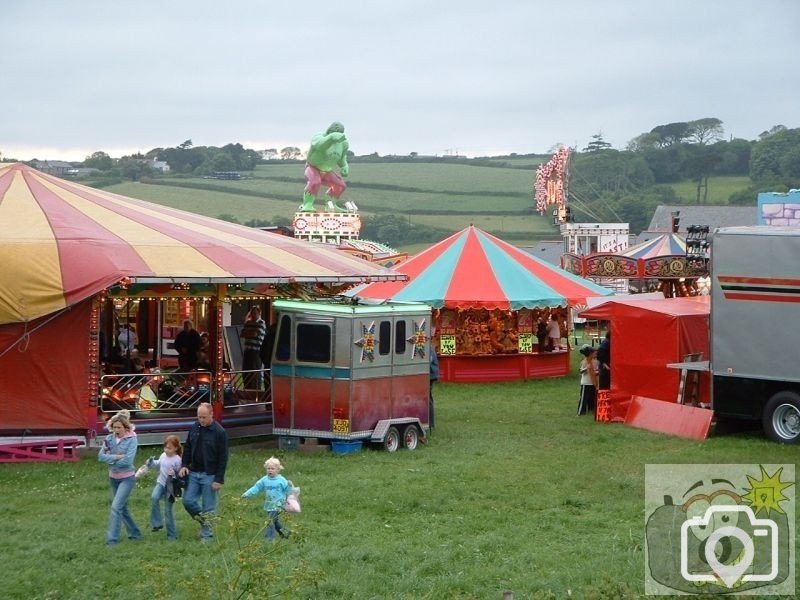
x=276 y=489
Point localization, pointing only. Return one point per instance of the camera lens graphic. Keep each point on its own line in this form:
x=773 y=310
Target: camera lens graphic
x=729 y=573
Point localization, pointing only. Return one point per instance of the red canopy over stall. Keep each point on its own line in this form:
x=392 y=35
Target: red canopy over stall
x=646 y=335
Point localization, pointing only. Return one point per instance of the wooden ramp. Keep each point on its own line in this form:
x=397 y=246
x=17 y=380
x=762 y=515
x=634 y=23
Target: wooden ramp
x=64 y=449
x=668 y=417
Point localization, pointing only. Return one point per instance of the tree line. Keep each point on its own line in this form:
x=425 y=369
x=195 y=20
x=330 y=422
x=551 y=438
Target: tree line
x=626 y=185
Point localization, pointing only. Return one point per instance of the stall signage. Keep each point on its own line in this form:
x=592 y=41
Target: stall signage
x=525 y=343
x=447 y=344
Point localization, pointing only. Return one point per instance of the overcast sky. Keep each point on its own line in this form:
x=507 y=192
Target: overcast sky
x=429 y=76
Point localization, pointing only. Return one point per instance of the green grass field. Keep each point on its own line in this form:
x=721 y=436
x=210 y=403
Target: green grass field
x=719 y=189
x=447 y=197
x=444 y=196
x=512 y=492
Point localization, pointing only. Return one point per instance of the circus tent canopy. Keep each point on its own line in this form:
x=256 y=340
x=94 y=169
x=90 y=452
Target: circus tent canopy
x=668 y=244
x=62 y=242
x=474 y=269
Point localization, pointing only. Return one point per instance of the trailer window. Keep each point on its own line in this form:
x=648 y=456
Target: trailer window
x=385 y=338
x=400 y=337
x=284 y=337
x=313 y=343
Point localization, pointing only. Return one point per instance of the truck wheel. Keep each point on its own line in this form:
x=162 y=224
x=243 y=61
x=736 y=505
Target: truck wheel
x=392 y=440
x=411 y=437
x=782 y=418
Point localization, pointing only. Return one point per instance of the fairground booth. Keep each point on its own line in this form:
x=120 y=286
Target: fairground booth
x=81 y=266
x=489 y=300
x=666 y=263
x=647 y=335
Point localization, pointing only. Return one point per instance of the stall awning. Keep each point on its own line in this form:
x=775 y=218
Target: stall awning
x=62 y=242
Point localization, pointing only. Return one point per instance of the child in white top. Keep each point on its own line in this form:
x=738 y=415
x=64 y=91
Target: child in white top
x=169 y=463
x=588 y=369
x=276 y=489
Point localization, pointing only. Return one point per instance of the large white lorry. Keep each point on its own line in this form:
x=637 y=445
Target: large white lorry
x=755 y=327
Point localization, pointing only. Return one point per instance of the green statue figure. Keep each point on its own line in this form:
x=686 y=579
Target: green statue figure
x=328 y=150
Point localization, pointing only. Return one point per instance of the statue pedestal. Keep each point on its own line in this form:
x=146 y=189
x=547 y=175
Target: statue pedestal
x=327 y=227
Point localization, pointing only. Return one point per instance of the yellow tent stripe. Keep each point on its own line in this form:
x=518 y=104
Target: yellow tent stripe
x=27 y=282
x=163 y=254
x=300 y=266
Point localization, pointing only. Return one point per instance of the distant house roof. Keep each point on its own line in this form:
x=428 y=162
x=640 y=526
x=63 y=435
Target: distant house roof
x=548 y=250
x=52 y=164
x=713 y=216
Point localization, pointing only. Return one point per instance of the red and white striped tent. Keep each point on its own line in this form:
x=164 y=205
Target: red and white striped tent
x=62 y=244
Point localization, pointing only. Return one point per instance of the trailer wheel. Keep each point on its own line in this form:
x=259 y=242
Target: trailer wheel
x=782 y=418
x=392 y=440
x=411 y=437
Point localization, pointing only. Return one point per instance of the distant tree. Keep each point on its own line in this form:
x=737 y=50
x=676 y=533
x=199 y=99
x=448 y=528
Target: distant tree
x=98 y=160
x=290 y=152
x=595 y=173
x=222 y=161
x=269 y=153
x=185 y=145
x=183 y=160
x=734 y=157
x=771 y=131
x=413 y=154
x=671 y=133
x=133 y=167
x=665 y=163
x=257 y=223
x=774 y=157
x=281 y=220
x=598 y=144
x=705 y=130
x=644 y=141
x=698 y=166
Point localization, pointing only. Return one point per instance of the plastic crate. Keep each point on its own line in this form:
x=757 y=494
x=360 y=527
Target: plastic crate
x=346 y=447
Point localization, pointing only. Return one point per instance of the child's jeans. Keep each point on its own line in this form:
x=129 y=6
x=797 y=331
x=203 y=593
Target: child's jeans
x=159 y=494
x=275 y=525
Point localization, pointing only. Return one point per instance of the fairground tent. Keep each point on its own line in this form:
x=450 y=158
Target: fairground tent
x=489 y=298
x=667 y=244
x=646 y=335
x=62 y=244
x=474 y=269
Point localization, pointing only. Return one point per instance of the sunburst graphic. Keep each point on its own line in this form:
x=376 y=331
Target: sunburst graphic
x=419 y=339
x=767 y=493
x=367 y=342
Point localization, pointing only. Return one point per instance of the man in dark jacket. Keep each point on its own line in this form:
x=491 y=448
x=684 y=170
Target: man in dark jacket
x=205 y=457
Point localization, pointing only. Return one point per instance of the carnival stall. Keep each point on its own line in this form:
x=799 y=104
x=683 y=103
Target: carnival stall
x=489 y=299
x=646 y=336
x=81 y=263
x=659 y=264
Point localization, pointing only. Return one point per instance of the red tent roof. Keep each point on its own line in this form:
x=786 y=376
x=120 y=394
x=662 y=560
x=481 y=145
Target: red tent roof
x=61 y=242
x=474 y=269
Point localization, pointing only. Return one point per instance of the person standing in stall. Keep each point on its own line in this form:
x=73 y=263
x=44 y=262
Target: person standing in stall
x=253 y=333
x=187 y=343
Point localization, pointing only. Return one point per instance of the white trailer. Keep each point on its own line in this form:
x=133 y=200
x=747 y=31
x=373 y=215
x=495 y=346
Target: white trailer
x=755 y=327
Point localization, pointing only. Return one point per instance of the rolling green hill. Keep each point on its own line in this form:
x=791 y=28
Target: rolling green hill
x=443 y=196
